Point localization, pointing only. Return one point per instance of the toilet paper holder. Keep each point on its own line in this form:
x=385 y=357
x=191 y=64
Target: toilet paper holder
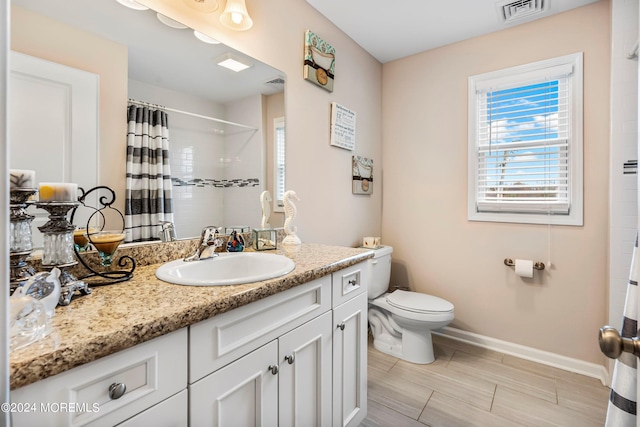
x=511 y=263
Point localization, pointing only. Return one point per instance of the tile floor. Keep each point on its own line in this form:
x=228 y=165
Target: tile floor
x=471 y=386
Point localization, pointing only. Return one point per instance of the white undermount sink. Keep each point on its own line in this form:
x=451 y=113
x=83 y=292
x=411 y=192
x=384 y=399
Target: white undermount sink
x=226 y=269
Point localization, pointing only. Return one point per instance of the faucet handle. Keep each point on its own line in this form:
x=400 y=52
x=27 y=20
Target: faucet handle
x=210 y=236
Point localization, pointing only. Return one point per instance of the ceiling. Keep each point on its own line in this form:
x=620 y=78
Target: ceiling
x=393 y=30
x=161 y=55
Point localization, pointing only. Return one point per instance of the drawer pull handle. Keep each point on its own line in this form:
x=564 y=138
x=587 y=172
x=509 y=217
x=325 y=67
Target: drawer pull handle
x=353 y=282
x=273 y=369
x=117 y=390
x=290 y=359
x=341 y=326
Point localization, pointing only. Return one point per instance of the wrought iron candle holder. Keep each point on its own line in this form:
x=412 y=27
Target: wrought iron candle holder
x=20 y=244
x=58 y=248
x=105 y=245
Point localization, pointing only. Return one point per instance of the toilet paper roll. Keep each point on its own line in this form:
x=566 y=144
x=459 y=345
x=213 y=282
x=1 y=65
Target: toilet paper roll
x=524 y=267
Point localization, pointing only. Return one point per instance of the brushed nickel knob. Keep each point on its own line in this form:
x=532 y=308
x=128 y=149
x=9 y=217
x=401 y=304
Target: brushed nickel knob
x=290 y=359
x=273 y=369
x=117 y=390
x=613 y=345
x=341 y=326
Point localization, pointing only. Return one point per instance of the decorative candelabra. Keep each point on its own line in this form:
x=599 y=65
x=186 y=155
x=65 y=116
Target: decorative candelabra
x=58 y=247
x=20 y=244
x=105 y=242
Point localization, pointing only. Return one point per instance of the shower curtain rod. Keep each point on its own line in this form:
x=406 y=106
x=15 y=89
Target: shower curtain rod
x=148 y=104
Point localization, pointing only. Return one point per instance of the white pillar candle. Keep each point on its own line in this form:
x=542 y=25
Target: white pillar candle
x=58 y=192
x=21 y=178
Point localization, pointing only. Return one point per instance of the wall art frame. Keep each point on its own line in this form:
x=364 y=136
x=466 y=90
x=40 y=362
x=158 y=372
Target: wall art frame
x=362 y=175
x=319 y=61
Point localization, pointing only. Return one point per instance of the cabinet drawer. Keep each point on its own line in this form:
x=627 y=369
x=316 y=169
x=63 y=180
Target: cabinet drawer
x=350 y=282
x=222 y=339
x=151 y=371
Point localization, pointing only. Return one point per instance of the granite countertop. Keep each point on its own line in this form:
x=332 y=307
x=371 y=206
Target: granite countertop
x=119 y=316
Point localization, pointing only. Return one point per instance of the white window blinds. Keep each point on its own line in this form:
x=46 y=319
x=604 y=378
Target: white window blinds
x=523 y=144
x=279 y=159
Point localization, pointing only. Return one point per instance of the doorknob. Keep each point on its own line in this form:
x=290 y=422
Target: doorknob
x=613 y=345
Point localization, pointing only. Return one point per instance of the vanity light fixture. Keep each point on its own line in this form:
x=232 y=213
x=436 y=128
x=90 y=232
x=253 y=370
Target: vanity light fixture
x=170 y=22
x=233 y=62
x=131 y=4
x=235 y=16
x=204 y=6
x=205 y=38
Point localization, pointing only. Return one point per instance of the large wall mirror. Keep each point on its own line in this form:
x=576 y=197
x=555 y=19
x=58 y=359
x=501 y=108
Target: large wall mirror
x=222 y=124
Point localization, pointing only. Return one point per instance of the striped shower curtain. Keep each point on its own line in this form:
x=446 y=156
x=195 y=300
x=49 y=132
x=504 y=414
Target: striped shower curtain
x=622 y=400
x=148 y=188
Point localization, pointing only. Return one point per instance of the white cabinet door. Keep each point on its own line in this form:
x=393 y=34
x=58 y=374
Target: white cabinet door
x=350 y=362
x=168 y=413
x=305 y=374
x=243 y=393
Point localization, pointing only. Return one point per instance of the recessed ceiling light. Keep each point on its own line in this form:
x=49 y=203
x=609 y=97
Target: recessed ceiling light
x=170 y=22
x=205 y=38
x=233 y=62
x=131 y=4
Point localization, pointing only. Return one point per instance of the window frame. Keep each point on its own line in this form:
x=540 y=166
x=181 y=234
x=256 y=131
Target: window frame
x=521 y=75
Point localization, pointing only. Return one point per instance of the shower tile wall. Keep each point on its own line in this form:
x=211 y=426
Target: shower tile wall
x=217 y=170
x=195 y=152
x=624 y=152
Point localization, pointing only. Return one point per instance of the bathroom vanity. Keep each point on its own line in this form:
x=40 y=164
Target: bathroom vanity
x=286 y=351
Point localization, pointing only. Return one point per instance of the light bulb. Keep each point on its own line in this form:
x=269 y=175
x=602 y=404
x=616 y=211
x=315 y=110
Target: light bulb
x=236 y=17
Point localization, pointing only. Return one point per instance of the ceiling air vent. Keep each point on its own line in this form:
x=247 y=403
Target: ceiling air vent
x=276 y=81
x=511 y=11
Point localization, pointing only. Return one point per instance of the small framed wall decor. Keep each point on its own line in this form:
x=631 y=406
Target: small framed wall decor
x=343 y=127
x=362 y=175
x=319 y=61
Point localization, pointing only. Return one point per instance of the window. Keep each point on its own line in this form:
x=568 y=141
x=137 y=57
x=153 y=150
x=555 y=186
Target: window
x=279 y=164
x=525 y=143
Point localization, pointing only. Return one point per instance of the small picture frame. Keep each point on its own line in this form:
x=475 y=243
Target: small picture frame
x=319 y=61
x=343 y=127
x=362 y=172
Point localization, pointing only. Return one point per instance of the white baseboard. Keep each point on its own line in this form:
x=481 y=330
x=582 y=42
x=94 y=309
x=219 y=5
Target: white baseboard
x=577 y=366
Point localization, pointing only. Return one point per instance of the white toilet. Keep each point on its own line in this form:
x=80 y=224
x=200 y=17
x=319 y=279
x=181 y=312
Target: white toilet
x=401 y=321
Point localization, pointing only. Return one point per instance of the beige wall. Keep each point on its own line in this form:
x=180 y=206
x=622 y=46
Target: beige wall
x=438 y=251
x=319 y=173
x=36 y=35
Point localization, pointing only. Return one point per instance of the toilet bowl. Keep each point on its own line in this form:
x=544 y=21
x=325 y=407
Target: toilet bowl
x=401 y=321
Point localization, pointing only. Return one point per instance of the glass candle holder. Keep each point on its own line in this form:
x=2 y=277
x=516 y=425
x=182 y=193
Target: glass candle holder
x=57 y=234
x=80 y=238
x=58 y=248
x=106 y=243
x=20 y=236
x=20 y=220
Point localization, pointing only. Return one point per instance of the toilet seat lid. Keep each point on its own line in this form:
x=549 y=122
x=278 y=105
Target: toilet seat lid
x=419 y=303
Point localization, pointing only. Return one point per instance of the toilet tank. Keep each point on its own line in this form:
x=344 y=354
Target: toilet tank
x=380 y=271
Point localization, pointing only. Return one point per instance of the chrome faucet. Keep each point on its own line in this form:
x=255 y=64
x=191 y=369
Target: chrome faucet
x=209 y=242
x=167 y=231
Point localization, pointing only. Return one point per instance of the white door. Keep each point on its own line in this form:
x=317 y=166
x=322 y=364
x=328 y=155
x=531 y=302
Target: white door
x=53 y=125
x=243 y=393
x=350 y=362
x=305 y=374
